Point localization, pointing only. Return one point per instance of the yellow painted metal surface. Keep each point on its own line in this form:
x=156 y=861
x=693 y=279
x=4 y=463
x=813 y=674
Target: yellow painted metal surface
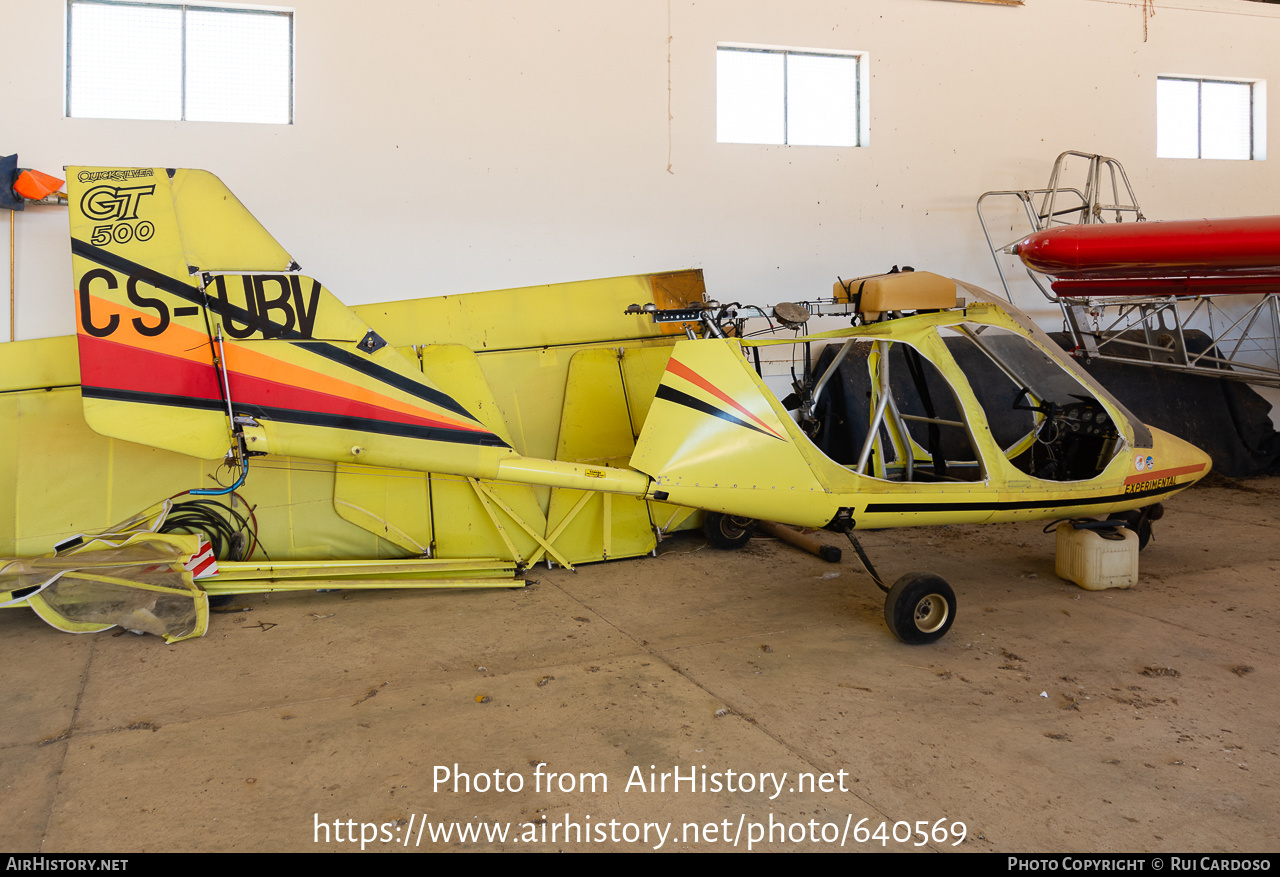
x=748 y=462
x=230 y=238
x=456 y=370
x=68 y=479
x=393 y=503
x=262 y=577
x=130 y=213
x=529 y=398
x=39 y=364
x=642 y=370
x=559 y=314
x=408 y=569
x=493 y=504
x=595 y=429
x=402 y=506
x=543 y=410
x=215 y=588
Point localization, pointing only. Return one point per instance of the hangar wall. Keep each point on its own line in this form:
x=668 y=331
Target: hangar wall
x=458 y=146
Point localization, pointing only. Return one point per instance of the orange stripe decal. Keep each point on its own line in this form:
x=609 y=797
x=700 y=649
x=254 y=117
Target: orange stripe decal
x=1163 y=473
x=245 y=363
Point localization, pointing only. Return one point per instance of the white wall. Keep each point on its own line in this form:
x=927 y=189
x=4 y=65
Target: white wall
x=474 y=144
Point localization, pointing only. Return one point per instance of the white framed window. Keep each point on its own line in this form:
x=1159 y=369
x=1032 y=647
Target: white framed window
x=1210 y=118
x=179 y=62
x=790 y=97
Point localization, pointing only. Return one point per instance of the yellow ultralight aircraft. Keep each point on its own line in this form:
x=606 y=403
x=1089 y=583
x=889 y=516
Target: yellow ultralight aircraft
x=197 y=333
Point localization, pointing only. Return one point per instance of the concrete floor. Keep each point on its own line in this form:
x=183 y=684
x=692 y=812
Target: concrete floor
x=1049 y=718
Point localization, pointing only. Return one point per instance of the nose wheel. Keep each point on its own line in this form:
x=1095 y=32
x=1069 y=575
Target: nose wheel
x=1140 y=522
x=920 y=608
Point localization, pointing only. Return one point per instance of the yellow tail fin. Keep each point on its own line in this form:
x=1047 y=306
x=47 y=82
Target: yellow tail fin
x=715 y=438
x=189 y=313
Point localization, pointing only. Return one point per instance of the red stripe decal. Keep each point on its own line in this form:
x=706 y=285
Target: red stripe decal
x=116 y=366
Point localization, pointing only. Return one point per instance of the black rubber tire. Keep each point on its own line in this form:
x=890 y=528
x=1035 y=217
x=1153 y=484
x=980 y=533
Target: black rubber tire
x=1139 y=521
x=920 y=608
x=726 y=531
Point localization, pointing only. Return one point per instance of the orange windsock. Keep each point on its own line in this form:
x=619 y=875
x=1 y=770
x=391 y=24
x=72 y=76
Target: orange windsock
x=34 y=185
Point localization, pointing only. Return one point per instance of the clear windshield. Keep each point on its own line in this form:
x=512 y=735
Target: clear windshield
x=1047 y=423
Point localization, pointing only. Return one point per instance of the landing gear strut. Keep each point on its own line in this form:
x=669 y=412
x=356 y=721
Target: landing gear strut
x=920 y=607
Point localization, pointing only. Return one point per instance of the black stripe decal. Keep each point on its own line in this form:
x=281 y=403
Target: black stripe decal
x=232 y=312
x=142 y=272
x=304 y=418
x=1012 y=505
x=386 y=375
x=115 y=395
x=679 y=398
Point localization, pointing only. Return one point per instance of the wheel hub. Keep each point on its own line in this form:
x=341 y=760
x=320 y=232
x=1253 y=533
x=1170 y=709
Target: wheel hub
x=931 y=613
